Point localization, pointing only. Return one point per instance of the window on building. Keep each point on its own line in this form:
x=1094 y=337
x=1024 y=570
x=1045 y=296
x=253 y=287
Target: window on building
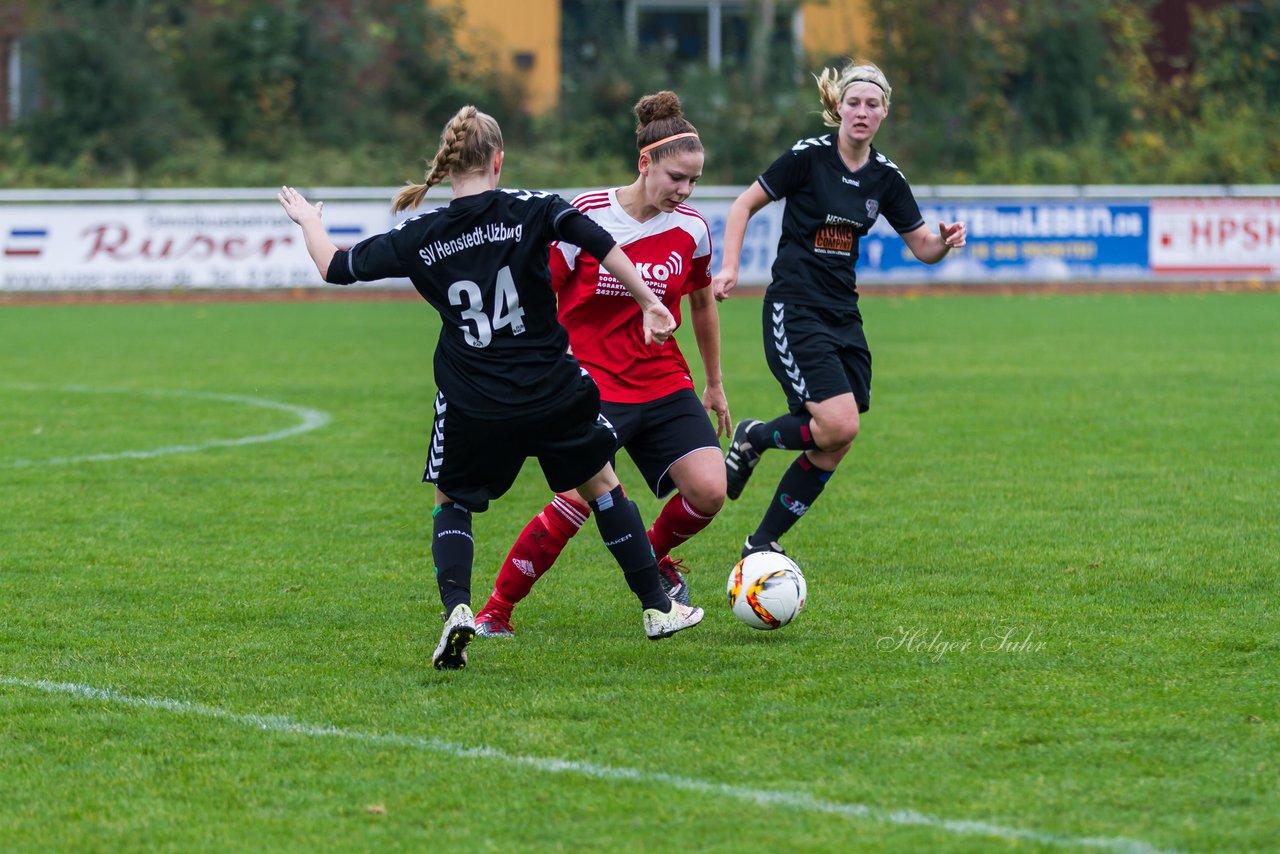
x=715 y=31
x=680 y=34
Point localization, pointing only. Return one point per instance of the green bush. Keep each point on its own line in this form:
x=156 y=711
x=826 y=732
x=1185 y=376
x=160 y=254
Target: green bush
x=225 y=92
x=105 y=101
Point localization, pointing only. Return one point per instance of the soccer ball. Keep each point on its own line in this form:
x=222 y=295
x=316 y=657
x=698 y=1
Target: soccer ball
x=766 y=590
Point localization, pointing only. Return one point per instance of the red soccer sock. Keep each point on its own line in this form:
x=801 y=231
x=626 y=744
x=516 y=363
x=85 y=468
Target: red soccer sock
x=678 y=521
x=535 y=550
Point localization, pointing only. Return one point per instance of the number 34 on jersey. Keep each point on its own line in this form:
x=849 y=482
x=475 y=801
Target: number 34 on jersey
x=480 y=321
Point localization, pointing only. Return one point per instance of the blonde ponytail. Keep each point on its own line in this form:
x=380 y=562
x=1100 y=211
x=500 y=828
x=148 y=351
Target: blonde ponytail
x=467 y=143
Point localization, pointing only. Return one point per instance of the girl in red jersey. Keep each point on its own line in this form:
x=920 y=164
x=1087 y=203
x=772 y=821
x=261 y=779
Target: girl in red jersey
x=647 y=394
x=507 y=387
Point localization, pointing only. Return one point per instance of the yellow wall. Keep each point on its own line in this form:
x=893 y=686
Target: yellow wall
x=495 y=31
x=838 y=28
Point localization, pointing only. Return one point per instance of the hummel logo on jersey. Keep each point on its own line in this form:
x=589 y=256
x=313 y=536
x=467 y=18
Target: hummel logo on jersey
x=887 y=162
x=525 y=195
x=525 y=566
x=797 y=507
x=852 y=181
x=784 y=352
x=811 y=142
x=411 y=219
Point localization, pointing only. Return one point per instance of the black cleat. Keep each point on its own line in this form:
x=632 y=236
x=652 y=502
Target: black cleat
x=741 y=458
x=671 y=573
x=749 y=548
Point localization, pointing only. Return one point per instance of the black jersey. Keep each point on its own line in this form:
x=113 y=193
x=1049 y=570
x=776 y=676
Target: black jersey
x=481 y=261
x=828 y=210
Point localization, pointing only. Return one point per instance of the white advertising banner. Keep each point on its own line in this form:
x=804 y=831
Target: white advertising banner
x=759 y=244
x=135 y=246
x=1229 y=236
x=58 y=241
x=139 y=246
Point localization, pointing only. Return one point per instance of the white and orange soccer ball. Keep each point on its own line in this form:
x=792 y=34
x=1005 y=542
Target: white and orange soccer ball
x=766 y=590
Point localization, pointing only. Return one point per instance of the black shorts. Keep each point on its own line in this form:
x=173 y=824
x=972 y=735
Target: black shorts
x=475 y=460
x=659 y=433
x=817 y=353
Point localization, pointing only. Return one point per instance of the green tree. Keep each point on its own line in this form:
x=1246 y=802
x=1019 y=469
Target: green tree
x=977 y=84
x=102 y=88
x=153 y=89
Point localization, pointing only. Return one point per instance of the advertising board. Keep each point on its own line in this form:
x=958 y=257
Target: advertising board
x=1051 y=241
x=241 y=238
x=141 y=246
x=1215 y=236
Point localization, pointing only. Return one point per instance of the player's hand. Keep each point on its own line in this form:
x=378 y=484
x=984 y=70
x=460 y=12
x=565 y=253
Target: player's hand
x=297 y=206
x=723 y=282
x=953 y=236
x=717 y=406
x=658 y=324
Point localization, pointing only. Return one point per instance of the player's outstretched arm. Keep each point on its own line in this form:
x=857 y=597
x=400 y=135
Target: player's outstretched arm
x=932 y=248
x=743 y=208
x=308 y=216
x=706 y=332
x=658 y=322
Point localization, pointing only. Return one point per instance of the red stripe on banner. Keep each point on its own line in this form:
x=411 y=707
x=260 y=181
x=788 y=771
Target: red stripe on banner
x=1156 y=269
x=22 y=252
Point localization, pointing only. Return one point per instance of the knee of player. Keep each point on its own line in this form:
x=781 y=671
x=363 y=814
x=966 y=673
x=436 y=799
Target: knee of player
x=707 y=501
x=837 y=435
x=707 y=495
x=849 y=433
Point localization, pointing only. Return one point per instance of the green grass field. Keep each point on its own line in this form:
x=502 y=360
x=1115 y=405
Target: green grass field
x=216 y=623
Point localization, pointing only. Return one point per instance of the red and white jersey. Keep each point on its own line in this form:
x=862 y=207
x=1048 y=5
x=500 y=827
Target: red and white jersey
x=672 y=251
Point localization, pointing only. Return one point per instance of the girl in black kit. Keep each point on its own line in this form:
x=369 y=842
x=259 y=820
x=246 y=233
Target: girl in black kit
x=836 y=185
x=508 y=388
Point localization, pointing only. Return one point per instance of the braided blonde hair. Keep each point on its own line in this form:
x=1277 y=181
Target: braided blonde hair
x=832 y=85
x=468 y=142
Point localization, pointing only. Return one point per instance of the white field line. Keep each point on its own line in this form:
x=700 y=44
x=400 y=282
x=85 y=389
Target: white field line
x=308 y=419
x=798 y=801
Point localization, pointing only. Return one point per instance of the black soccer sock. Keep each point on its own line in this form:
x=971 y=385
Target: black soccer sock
x=799 y=488
x=453 y=550
x=791 y=432
x=622 y=530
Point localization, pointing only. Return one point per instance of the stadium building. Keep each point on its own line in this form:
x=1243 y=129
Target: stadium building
x=536 y=41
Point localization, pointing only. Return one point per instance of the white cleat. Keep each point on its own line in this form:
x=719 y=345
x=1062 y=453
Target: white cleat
x=459 y=629
x=658 y=625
